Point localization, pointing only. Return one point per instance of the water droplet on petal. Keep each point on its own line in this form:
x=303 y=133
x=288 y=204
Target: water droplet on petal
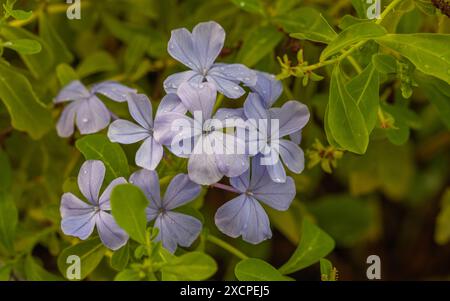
x=236 y=87
x=85 y=120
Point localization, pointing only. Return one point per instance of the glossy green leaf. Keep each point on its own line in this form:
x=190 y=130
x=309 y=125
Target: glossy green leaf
x=351 y=35
x=34 y=272
x=120 y=258
x=24 y=46
x=259 y=44
x=98 y=147
x=39 y=64
x=307 y=23
x=429 y=52
x=254 y=269
x=345 y=120
x=26 y=110
x=17 y=14
x=194 y=266
x=90 y=252
x=128 y=204
x=314 y=245
x=364 y=88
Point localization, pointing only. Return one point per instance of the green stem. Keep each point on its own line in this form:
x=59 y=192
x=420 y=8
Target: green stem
x=226 y=246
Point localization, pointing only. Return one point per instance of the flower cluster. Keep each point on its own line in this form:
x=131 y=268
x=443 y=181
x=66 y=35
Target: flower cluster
x=189 y=93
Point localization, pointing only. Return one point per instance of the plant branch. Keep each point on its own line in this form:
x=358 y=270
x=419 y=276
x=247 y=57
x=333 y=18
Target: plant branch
x=226 y=246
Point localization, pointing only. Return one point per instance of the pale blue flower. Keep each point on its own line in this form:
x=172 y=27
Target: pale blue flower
x=79 y=218
x=206 y=164
x=174 y=228
x=122 y=131
x=198 y=51
x=85 y=108
x=244 y=216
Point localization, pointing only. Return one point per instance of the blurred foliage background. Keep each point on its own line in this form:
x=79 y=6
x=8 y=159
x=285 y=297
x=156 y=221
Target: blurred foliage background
x=393 y=201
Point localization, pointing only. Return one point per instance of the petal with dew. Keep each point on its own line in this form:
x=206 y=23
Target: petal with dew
x=90 y=179
x=208 y=39
x=92 y=116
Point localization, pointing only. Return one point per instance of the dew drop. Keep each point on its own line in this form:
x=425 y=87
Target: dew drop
x=236 y=87
x=85 y=120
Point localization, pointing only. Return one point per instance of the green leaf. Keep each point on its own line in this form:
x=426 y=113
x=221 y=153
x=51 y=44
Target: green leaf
x=259 y=43
x=194 y=266
x=120 y=258
x=49 y=34
x=34 y=272
x=429 y=52
x=128 y=275
x=17 y=13
x=26 y=110
x=307 y=23
x=90 y=252
x=253 y=269
x=345 y=120
x=8 y=221
x=251 y=6
x=438 y=93
x=24 y=46
x=314 y=245
x=351 y=35
x=65 y=74
x=327 y=272
x=384 y=63
x=364 y=88
x=128 y=204
x=442 y=232
x=39 y=64
x=97 y=62
x=98 y=147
